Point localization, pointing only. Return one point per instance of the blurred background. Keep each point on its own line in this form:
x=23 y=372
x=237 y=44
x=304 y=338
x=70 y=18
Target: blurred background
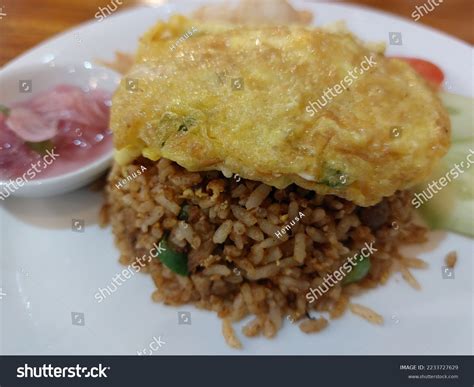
x=25 y=23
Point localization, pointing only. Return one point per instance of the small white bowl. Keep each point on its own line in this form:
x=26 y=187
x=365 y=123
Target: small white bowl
x=45 y=77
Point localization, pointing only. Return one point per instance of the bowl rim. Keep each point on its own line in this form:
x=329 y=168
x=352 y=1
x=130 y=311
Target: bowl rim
x=97 y=163
x=86 y=66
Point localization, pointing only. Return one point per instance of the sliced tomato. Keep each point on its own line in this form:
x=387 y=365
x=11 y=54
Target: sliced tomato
x=427 y=70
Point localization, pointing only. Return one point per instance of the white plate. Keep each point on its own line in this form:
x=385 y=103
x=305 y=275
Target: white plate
x=50 y=271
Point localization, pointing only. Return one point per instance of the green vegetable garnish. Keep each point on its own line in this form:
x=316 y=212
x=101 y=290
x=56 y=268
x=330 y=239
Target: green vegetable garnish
x=358 y=272
x=40 y=147
x=5 y=110
x=188 y=122
x=183 y=214
x=175 y=261
x=333 y=178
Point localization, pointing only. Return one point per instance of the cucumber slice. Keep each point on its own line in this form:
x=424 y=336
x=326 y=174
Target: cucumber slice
x=461 y=112
x=452 y=207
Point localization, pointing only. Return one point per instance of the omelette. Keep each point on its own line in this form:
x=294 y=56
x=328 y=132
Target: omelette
x=212 y=96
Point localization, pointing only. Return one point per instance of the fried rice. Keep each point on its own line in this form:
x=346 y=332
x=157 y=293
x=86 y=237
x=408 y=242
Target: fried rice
x=237 y=265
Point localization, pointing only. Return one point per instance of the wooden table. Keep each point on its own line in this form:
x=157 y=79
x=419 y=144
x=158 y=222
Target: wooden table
x=28 y=23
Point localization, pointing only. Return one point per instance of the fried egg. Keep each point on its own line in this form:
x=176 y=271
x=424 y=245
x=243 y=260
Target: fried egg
x=248 y=100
